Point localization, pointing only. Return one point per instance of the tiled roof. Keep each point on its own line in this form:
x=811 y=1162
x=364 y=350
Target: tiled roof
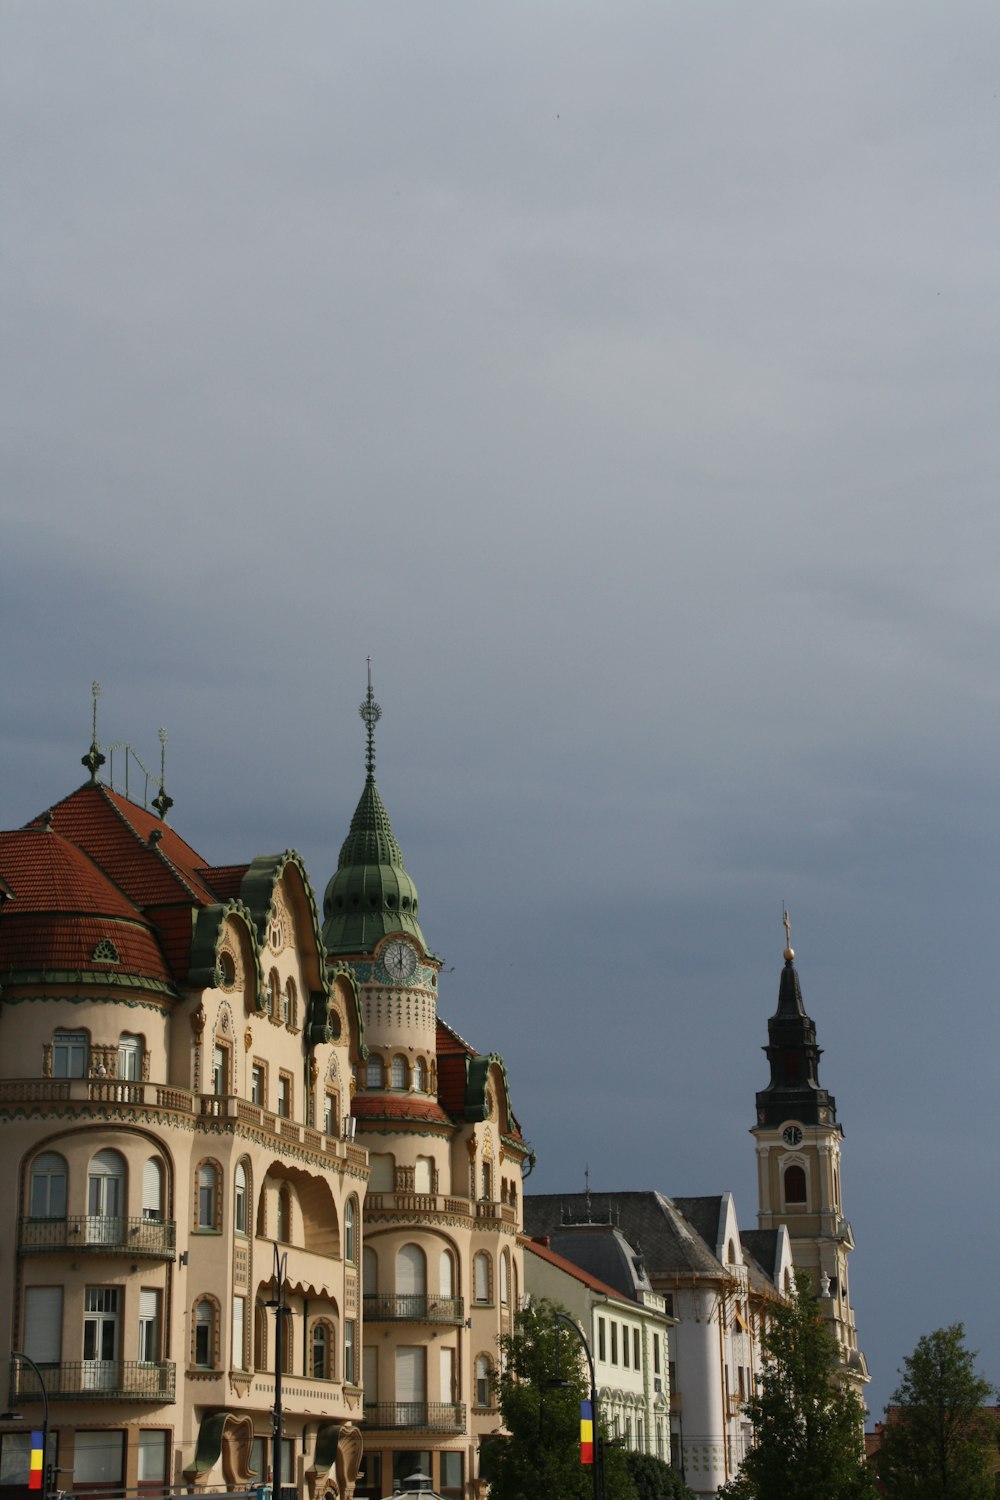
x=115 y=833
x=63 y=908
x=543 y=1252
x=703 y=1214
x=452 y=1058
x=397 y=1107
x=224 y=880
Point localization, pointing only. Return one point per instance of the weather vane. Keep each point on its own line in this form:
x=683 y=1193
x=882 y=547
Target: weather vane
x=93 y=760
x=371 y=713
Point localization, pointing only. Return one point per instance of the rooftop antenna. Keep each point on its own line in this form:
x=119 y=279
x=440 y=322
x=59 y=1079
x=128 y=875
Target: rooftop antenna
x=93 y=760
x=786 y=919
x=371 y=713
x=161 y=801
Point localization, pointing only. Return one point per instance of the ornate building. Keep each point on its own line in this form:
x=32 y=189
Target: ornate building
x=175 y=1065
x=442 y=1266
x=798 y=1163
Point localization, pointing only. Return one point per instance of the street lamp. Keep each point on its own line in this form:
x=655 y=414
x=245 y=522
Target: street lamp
x=597 y=1468
x=13 y=1416
x=280 y=1307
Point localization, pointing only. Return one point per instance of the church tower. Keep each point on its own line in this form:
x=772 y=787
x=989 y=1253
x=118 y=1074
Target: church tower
x=441 y=1269
x=798 y=1162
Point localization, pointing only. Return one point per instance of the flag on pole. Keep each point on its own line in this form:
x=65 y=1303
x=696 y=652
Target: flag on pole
x=36 y=1467
x=586 y=1432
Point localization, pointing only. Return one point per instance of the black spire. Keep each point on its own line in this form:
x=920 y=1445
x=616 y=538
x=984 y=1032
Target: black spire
x=794 y=1091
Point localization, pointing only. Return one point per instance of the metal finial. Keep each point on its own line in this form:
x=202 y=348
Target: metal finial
x=161 y=801
x=786 y=919
x=371 y=713
x=93 y=760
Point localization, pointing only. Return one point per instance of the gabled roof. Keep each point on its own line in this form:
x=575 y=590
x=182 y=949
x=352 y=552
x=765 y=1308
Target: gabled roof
x=648 y=1220
x=462 y=1076
x=704 y=1215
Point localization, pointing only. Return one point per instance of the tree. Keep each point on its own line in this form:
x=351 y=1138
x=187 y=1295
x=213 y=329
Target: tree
x=936 y=1443
x=541 y=1455
x=655 y=1480
x=808 y=1424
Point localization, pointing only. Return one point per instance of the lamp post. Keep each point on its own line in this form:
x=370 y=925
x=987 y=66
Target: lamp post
x=14 y=1416
x=280 y=1306
x=597 y=1468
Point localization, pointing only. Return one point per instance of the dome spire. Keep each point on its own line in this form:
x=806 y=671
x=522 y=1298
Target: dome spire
x=371 y=713
x=370 y=895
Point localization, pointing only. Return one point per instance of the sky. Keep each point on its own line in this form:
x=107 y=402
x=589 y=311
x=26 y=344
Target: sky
x=623 y=380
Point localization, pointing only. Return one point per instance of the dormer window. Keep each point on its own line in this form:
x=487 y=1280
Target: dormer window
x=106 y=953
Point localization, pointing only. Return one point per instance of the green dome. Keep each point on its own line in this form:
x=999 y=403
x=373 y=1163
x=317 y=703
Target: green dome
x=371 y=894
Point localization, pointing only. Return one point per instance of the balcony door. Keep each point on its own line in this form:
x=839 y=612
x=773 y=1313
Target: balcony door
x=106 y=1199
x=411 y=1384
x=101 y=1319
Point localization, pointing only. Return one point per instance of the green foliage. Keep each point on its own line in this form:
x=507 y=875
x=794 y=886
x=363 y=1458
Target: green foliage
x=808 y=1424
x=655 y=1480
x=541 y=1455
x=938 y=1446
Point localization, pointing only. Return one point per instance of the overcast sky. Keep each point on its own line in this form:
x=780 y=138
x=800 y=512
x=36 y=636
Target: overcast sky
x=623 y=378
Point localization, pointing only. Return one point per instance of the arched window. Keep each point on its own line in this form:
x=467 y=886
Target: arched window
x=382 y=1172
x=207 y=1213
x=206 y=1334
x=351 y=1231
x=274 y=994
x=481 y=1277
x=240 y=1192
x=487 y=1182
x=446 y=1274
x=484 y=1372
x=374 y=1073
x=291 y=1004
x=106 y=1198
x=423 y=1174
x=369 y=1274
x=284 y=1225
x=48 y=1187
x=152 y=1189
x=129 y=1056
x=321 y=1353
x=731 y=1253
x=399 y=1072
x=420 y=1075
x=411 y=1277
x=259 y=1336
x=795 y=1184
x=504 y=1279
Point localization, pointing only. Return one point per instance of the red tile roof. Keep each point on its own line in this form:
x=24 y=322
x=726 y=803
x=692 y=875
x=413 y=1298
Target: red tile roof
x=225 y=880
x=62 y=908
x=403 y=1107
x=115 y=833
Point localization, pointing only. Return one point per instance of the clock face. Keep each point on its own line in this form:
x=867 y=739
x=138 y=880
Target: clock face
x=399 y=961
x=791 y=1135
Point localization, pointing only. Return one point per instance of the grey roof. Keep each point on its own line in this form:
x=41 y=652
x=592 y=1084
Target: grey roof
x=604 y=1252
x=649 y=1221
x=704 y=1215
x=762 y=1246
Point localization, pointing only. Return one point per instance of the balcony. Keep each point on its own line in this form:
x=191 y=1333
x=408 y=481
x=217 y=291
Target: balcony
x=95 y=1380
x=429 y=1206
x=89 y=1234
x=416 y=1416
x=385 y=1307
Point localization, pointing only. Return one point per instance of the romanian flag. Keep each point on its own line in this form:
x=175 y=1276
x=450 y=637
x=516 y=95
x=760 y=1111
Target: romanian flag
x=586 y=1433
x=36 y=1468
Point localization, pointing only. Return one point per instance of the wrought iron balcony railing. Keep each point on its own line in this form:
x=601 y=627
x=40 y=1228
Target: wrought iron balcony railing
x=98 y=1234
x=416 y=1416
x=95 y=1380
x=387 y=1307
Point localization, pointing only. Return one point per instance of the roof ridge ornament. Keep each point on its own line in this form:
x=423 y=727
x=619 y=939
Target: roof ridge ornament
x=786 y=919
x=161 y=801
x=94 y=760
x=370 y=713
